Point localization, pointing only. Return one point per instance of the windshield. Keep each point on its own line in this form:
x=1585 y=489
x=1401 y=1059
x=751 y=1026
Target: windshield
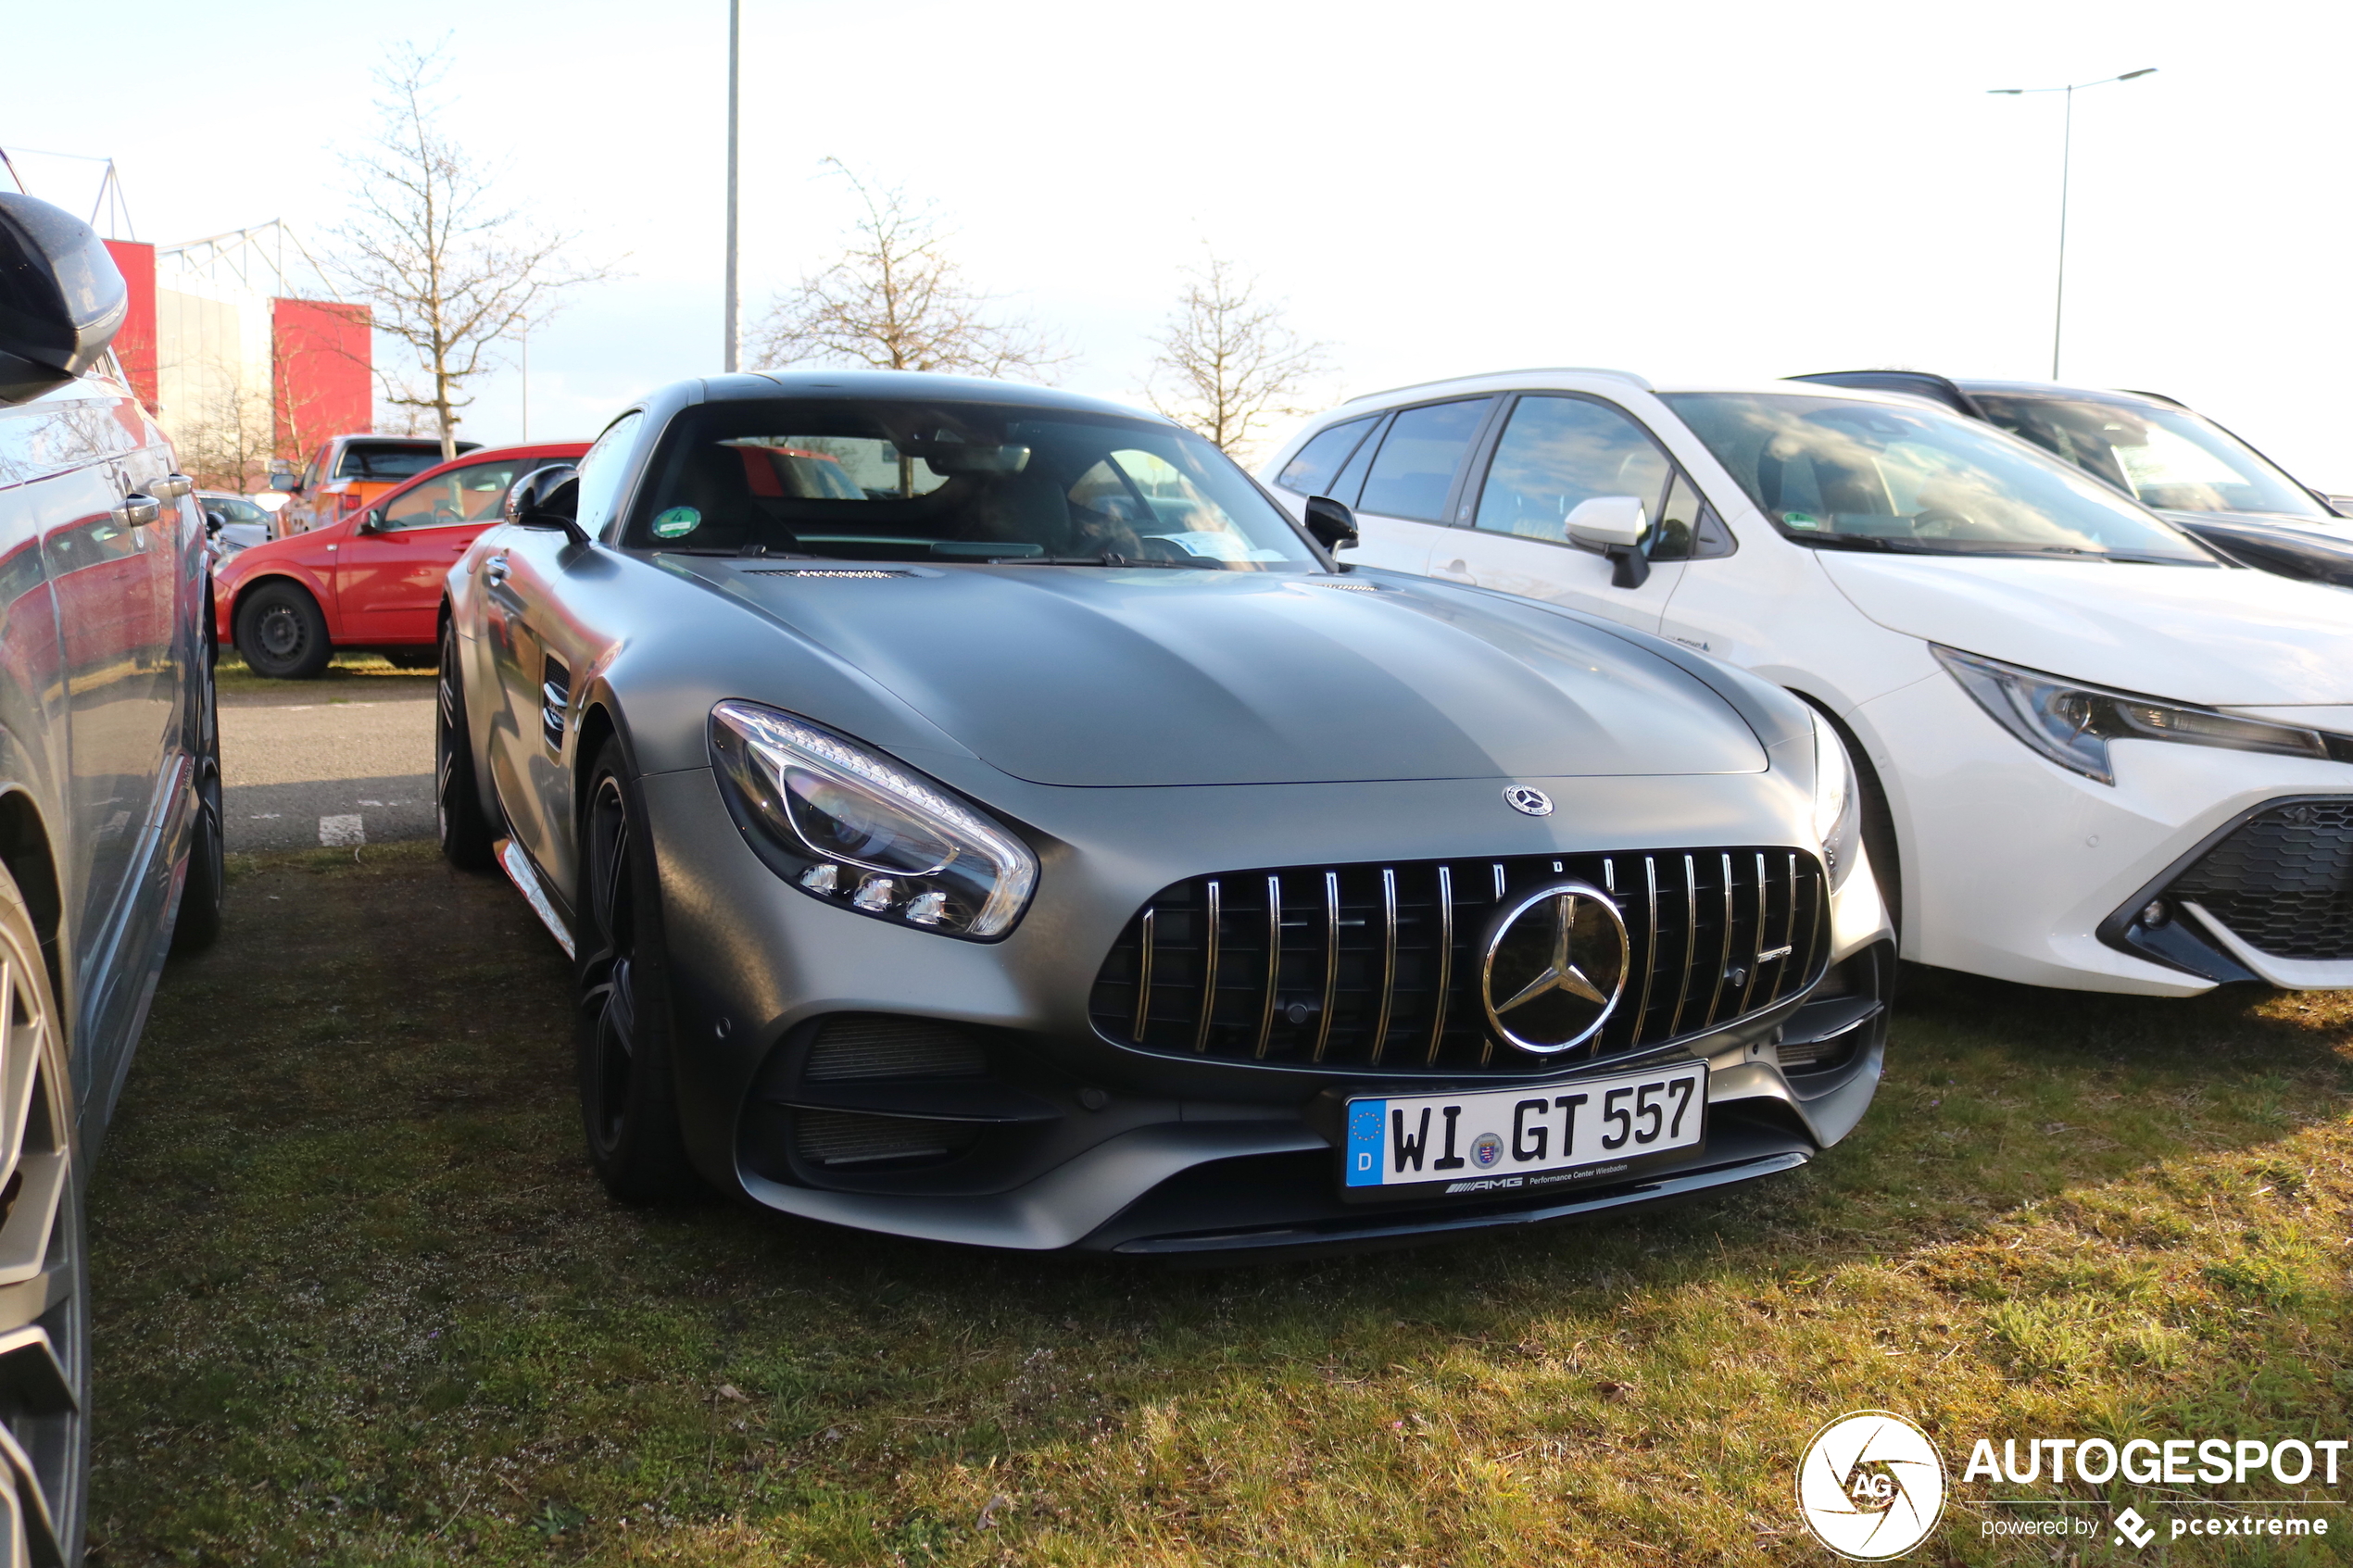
x=234 y=508
x=377 y=461
x=953 y=481
x=2166 y=457
x=1852 y=475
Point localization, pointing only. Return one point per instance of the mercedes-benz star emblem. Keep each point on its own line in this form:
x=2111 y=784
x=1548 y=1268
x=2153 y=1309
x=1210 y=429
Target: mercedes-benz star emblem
x=1535 y=802
x=1554 y=964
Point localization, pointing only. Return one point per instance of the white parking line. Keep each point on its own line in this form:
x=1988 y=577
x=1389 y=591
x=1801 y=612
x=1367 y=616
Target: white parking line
x=342 y=833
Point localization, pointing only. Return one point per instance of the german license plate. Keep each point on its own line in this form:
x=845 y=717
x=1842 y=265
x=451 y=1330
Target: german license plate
x=1529 y=1138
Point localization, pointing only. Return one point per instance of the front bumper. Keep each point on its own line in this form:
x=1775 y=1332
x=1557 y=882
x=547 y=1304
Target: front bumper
x=2018 y=869
x=1072 y=1140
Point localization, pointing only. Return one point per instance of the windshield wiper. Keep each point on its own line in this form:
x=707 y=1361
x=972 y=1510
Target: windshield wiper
x=1109 y=557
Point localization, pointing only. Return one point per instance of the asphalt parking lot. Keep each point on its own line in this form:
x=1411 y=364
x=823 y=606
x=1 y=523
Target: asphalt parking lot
x=340 y=761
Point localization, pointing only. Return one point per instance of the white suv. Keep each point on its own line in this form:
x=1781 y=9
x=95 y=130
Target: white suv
x=2095 y=755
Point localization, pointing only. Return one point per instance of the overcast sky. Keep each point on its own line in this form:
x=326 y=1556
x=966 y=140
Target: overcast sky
x=1687 y=191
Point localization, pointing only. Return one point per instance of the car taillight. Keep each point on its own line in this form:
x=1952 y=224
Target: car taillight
x=351 y=500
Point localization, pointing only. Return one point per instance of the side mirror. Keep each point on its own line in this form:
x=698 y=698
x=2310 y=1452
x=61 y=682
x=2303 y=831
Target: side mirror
x=370 y=522
x=1613 y=526
x=284 y=480
x=1331 y=525
x=213 y=521
x=61 y=300
x=548 y=498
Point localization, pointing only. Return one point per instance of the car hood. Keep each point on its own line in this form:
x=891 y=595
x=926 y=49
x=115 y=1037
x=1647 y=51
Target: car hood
x=1089 y=676
x=2217 y=636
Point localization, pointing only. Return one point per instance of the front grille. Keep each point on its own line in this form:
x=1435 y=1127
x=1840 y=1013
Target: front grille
x=2283 y=880
x=1377 y=966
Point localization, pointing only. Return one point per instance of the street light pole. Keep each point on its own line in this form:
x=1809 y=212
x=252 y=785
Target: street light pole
x=2067 y=154
x=735 y=73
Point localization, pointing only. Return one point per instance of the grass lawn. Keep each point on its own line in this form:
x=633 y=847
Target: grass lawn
x=233 y=674
x=358 y=1300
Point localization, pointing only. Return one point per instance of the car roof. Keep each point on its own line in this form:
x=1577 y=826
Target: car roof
x=1582 y=378
x=911 y=385
x=492 y=454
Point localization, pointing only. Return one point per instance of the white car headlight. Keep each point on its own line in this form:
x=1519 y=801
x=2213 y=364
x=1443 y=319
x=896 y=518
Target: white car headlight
x=855 y=829
x=2071 y=723
x=1838 y=805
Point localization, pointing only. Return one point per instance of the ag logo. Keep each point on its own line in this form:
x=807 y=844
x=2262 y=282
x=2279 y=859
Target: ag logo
x=1870 y=1486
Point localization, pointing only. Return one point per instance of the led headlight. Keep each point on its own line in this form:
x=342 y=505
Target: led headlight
x=858 y=831
x=2071 y=723
x=1838 y=805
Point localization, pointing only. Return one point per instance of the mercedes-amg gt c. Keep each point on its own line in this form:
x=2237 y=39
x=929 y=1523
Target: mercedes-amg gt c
x=980 y=813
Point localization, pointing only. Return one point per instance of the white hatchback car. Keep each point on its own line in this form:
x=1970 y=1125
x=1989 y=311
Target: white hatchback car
x=2095 y=756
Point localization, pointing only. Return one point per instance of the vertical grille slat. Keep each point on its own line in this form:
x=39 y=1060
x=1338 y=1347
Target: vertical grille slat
x=1144 y=971
x=1274 y=962
x=1445 y=989
x=1208 y=1004
x=1387 y=963
x=1331 y=964
x=1369 y=956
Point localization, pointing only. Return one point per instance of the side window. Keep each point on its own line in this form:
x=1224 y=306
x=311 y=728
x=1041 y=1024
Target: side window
x=1318 y=462
x=462 y=495
x=603 y=470
x=1417 y=460
x=1352 y=478
x=1559 y=452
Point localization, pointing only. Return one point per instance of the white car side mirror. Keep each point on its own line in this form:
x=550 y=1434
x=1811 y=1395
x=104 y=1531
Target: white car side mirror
x=1608 y=520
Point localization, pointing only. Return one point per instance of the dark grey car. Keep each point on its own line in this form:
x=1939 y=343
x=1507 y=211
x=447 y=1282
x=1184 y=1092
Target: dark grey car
x=979 y=813
x=109 y=810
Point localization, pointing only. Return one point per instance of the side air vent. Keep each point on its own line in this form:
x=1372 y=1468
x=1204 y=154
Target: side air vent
x=855 y=1046
x=555 y=697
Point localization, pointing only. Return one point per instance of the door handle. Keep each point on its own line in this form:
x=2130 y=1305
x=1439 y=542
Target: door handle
x=137 y=510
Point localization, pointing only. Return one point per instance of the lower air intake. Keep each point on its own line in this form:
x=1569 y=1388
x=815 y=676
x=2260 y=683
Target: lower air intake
x=838 y=1138
x=855 y=1046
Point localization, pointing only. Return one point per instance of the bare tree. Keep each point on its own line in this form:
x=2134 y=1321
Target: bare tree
x=223 y=438
x=896 y=300
x=447 y=271
x=1235 y=363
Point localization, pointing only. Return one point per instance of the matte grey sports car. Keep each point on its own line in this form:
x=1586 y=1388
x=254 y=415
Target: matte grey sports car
x=979 y=812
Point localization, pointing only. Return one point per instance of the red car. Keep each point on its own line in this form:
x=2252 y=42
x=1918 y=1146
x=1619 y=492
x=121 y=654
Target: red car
x=371 y=581
x=347 y=474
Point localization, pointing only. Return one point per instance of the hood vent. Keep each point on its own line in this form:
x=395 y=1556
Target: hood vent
x=823 y=572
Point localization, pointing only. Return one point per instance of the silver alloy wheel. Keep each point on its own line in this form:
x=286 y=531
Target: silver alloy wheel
x=45 y=1337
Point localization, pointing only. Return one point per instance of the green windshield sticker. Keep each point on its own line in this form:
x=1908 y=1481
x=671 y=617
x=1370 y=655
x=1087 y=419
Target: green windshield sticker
x=677 y=523
x=1795 y=520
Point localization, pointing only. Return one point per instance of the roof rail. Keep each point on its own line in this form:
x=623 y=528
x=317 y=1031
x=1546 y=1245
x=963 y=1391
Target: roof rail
x=2159 y=396
x=1489 y=375
x=1922 y=383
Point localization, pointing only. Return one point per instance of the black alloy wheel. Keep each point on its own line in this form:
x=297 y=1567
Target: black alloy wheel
x=467 y=837
x=200 y=896
x=44 y=1310
x=628 y=1098
x=281 y=632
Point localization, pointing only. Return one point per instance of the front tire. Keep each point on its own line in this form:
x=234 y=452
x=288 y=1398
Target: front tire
x=466 y=832
x=628 y=1095
x=281 y=632
x=45 y=1309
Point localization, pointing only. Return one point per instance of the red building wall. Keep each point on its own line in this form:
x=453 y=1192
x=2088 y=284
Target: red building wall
x=322 y=374
x=135 y=345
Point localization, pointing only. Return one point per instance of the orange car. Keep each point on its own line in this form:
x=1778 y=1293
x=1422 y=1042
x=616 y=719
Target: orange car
x=347 y=475
x=373 y=580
